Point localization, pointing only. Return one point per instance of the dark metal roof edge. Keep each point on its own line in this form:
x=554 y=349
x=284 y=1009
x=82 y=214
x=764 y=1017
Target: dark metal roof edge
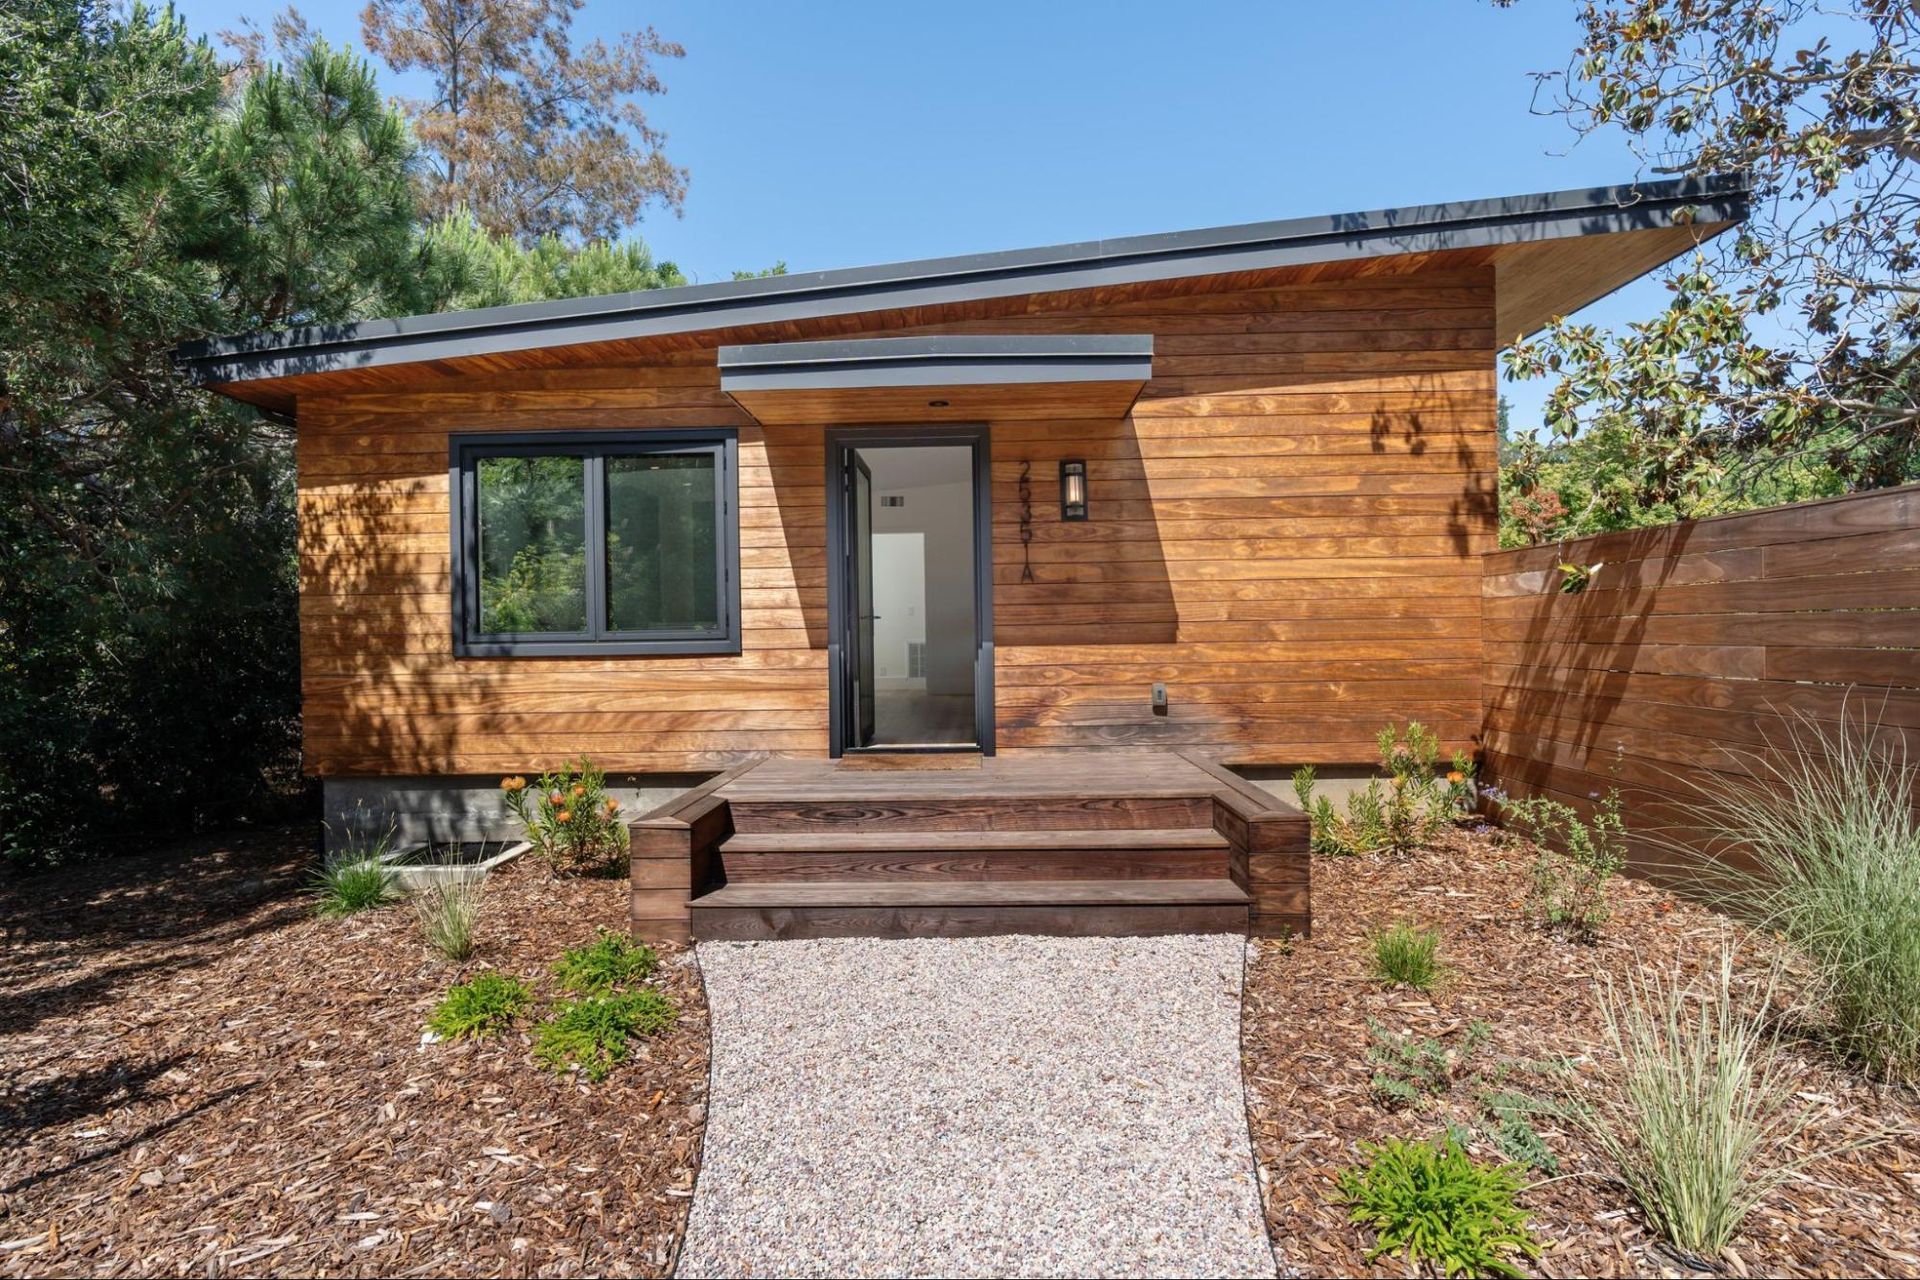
x=942 y=361
x=1129 y=259
x=974 y=347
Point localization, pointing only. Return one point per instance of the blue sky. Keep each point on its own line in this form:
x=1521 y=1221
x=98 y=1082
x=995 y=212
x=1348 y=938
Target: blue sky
x=841 y=134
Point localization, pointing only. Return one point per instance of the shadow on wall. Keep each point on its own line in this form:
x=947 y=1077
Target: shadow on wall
x=1102 y=581
x=381 y=690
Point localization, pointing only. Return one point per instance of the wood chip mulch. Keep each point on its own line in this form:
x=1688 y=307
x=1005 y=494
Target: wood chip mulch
x=202 y=1078
x=1306 y=1034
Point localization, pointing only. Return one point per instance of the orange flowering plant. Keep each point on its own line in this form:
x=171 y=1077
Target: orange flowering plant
x=569 y=818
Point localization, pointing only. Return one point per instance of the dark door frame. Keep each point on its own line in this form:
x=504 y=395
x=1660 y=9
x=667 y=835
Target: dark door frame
x=840 y=442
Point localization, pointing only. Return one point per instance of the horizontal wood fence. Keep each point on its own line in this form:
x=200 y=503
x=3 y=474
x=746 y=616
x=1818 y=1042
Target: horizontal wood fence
x=1690 y=648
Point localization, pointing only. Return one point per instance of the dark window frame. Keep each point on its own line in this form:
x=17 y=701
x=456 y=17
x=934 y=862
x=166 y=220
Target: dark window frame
x=465 y=452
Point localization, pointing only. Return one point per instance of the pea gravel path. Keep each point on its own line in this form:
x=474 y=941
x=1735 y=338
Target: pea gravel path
x=976 y=1106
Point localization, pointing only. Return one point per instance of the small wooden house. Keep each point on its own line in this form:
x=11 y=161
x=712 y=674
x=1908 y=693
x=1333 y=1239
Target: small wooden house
x=943 y=595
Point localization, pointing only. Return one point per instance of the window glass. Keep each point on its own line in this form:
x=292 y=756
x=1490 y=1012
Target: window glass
x=662 y=543
x=533 y=546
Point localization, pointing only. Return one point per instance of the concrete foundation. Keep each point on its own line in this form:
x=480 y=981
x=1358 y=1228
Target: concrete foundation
x=439 y=810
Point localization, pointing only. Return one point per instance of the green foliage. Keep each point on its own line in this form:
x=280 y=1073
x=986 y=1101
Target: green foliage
x=1512 y=1129
x=609 y=961
x=1829 y=817
x=147 y=588
x=592 y=1034
x=1432 y=1203
x=449 y=911
x=1408 y=1069
x=351 y=882
x=498 y=270
x=1782 y=366
x=1407 y=956
x=481 y=1007
x=148 y=620
x=1399 y=814
x=1575 y=860
x=1704 y=1120
x=570 y=819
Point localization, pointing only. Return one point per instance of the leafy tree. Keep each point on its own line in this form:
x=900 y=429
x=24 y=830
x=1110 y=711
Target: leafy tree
x=533 y=136
x=485 y=269
x=147 y=634
x=1786 y=356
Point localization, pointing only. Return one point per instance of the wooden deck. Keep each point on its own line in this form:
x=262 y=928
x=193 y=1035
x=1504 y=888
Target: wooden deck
x=1070 y=842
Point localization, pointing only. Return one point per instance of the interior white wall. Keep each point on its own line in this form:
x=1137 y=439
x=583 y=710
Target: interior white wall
x=900 y=600
x=937 y=483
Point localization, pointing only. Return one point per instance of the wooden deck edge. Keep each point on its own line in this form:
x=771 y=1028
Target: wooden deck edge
x=672 y=856
x=1272 y=850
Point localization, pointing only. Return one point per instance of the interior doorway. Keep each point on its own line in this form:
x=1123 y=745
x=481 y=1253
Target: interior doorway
x=913 y=667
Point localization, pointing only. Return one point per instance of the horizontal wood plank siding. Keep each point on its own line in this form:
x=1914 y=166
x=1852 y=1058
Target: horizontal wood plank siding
x=1689 y=649
x=1286 y=530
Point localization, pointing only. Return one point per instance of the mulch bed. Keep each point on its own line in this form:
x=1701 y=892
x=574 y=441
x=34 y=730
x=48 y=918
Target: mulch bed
x=1306 y=1035
x=202 y=1078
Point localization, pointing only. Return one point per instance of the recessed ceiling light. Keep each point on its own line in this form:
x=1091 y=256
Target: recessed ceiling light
x=937 y=404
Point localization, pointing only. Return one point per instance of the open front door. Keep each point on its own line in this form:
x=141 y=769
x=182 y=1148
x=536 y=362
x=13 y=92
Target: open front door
x=860 y=575
x=909 y=590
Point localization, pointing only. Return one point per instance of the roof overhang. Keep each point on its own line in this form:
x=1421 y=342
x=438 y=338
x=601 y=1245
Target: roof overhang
x=1529 y=238
x=951 y=378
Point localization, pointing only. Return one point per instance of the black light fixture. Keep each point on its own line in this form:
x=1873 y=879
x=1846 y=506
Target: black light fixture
x=1073 y=489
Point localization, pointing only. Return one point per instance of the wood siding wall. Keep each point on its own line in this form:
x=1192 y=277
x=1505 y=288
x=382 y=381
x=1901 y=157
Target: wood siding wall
x=1691 y=644
x=1286 y=530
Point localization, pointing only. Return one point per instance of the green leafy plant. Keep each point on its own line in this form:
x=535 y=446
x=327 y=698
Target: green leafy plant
x=1829 y=817
x=569 y=818
x=1510 y=1128
x=592 y=1034
x=487 y=1003
x=1408 y=1069
x=1433 y=1204
x=1395 y=814
x=1408 y=956
x=1575 y=860
x=1704 y=1117
x=449 y=911
x=608 y=962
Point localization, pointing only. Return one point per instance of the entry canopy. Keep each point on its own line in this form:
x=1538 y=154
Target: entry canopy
x=938 y=379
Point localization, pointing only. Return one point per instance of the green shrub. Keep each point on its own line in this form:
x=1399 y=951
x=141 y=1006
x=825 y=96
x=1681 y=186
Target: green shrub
x=1409 y=1069
x=607 y=962
x=1575 y=861
x=1829 y=816
x=1396 y=815
x=1704 y=1114
x=1408 y=956
x=1431 y=1203
x=592 y=1033
x=1512 y=1129
x=488 y=1003
x=570 y=819
x=449 y=911
x=351 y=882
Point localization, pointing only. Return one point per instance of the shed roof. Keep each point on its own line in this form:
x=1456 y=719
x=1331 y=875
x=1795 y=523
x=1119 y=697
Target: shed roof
x=1530 y=239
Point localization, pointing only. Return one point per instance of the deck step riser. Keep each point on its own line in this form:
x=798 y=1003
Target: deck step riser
x=1072 y=864
x=770 y=924
x=981 y=813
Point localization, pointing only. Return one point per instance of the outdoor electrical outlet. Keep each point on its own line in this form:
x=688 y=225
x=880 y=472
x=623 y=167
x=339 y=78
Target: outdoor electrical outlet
x=1159 y=699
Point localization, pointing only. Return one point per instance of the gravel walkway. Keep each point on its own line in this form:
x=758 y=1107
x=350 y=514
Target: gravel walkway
x=979 y=1106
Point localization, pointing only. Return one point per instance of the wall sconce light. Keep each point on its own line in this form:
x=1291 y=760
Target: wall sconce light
x=1073 y=489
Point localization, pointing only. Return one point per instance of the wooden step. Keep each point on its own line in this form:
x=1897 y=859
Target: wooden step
x=1178 y=853
x=760 y=815
x=954 y=909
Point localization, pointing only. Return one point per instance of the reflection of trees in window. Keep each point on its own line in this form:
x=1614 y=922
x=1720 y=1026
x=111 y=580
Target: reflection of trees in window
x=533 y=559
x=662 y=571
